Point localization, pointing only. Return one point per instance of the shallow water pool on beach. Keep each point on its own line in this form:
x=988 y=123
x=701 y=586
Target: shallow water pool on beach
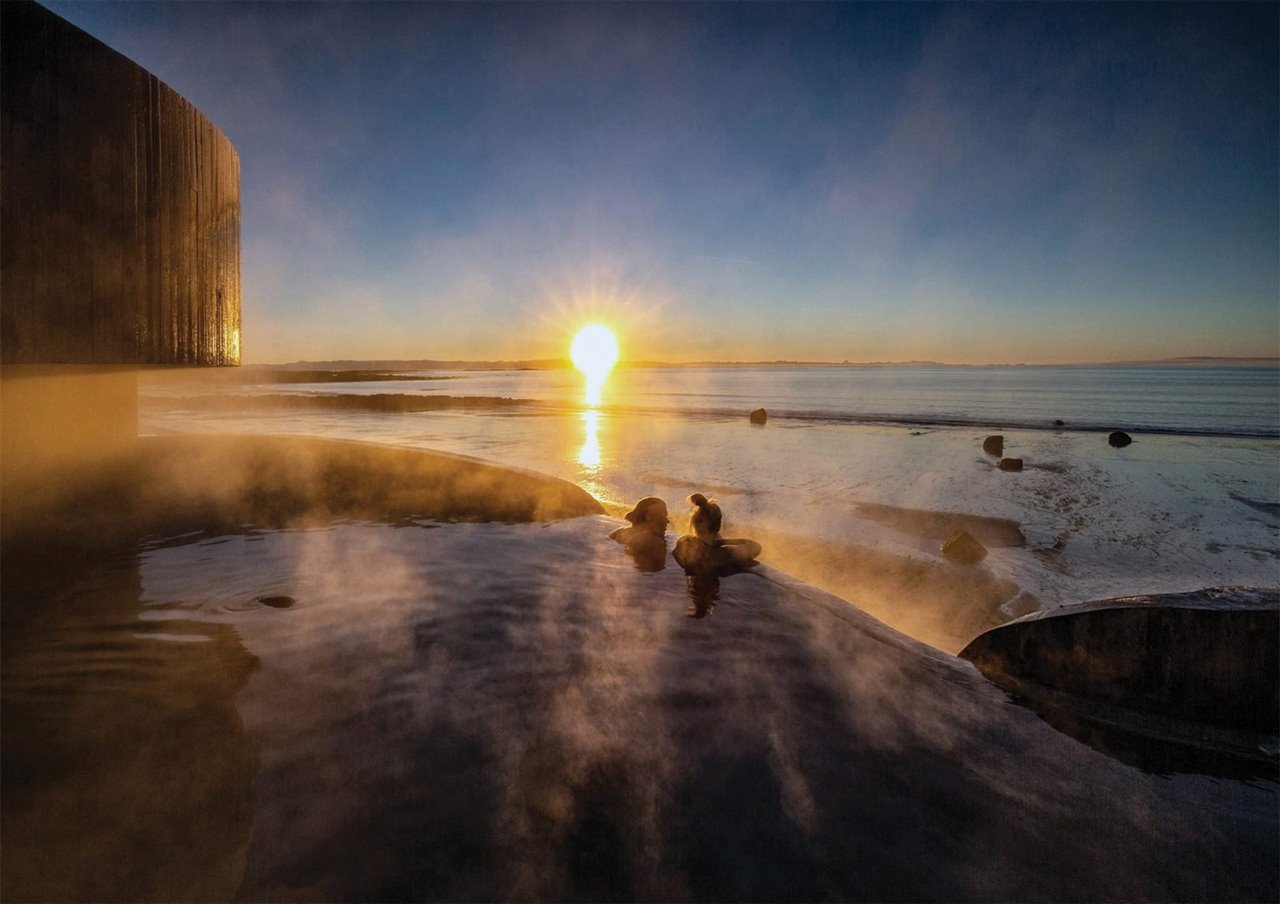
x=487 y=711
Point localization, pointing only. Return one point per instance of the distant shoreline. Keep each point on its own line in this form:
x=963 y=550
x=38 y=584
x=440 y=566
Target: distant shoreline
x=557 y=364
x=414 y=402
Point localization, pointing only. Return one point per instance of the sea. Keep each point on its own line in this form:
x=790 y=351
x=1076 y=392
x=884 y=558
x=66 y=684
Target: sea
x=424 y=710
x=1173 y=399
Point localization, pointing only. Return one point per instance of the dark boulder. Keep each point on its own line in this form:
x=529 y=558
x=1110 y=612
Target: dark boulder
x=759 y=416
x=993 y=445
x=1059 y=423
x=964 y=548
x=1119 y=439
x=1009 y=464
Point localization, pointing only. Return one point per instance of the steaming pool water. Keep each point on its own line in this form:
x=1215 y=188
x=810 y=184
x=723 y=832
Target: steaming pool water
x=489 y=711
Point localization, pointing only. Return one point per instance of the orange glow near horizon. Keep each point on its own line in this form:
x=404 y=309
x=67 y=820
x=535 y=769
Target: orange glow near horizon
x=594 y=352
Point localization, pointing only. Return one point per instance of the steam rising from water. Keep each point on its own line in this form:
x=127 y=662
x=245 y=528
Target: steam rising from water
x=484 y=711
x=848 y=506
x=505 y=711
x=555 y=726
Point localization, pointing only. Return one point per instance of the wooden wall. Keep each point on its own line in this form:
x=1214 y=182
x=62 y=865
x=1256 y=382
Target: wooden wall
x=119 y=208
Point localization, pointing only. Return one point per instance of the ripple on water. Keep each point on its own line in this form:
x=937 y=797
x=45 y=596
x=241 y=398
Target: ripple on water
x=225 y=574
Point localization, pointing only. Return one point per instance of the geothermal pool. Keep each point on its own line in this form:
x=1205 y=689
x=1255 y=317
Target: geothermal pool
x=496 y=711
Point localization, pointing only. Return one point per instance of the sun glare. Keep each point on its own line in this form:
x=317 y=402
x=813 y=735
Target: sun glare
x=594 y=352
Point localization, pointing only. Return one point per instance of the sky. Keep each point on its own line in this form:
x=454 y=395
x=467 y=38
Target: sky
x=961 y=183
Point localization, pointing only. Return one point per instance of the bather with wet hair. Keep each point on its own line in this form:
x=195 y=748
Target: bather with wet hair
x=703 y=550
x=646 y=538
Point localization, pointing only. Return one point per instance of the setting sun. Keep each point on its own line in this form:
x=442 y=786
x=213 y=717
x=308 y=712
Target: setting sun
x=594 y=352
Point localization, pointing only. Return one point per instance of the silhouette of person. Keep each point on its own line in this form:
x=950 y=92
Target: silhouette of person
x=703 y=551
x=646 y=539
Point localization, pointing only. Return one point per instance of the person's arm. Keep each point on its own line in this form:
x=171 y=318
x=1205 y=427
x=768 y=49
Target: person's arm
x=741 y=548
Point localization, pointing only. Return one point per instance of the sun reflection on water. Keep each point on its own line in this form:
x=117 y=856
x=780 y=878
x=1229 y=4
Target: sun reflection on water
x=589 y=456
x=594 y=353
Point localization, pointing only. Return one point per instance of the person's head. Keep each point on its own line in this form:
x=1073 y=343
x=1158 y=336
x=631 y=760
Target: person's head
x=705 y=518
x=649 y=514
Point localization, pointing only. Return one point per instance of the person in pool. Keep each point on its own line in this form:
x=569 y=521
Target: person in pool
x=703 y=550
x=646 y=538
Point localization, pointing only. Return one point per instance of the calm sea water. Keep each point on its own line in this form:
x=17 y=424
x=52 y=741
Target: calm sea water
x=1194 y=400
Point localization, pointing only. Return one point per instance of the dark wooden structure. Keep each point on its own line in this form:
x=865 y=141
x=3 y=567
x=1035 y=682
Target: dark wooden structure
x=119 y=208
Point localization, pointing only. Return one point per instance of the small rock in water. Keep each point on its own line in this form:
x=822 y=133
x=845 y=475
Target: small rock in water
x=993 y=445
x=1119 y=439
x=276 y=602
x=759 y=416
x=1059 y=423
x=964 y=548
x=1009 y=464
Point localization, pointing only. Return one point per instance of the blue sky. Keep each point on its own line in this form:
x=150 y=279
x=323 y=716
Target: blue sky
x=961 y=183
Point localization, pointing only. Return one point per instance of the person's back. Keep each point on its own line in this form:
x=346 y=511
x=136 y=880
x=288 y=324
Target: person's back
x=703 y=550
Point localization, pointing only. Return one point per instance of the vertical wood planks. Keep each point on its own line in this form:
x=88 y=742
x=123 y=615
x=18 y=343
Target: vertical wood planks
x=119 y=208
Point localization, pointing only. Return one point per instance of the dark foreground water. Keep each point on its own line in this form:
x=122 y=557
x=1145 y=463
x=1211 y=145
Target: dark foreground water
x=466 y=712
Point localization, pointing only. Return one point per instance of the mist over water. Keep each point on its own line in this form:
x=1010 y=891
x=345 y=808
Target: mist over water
x=846 y=504
x=552 y=724
x=271 y=634
x=365 y=702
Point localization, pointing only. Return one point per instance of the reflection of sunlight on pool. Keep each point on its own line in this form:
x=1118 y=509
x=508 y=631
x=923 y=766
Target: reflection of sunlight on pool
x=589 y=457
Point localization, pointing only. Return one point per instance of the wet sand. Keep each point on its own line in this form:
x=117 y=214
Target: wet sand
x=937 y=525
x=380 y=401
x=458 y=711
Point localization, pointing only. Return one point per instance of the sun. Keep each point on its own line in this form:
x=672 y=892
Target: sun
x=594 y=352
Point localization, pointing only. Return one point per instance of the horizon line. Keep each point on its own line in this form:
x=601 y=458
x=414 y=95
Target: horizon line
x=558 y=363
